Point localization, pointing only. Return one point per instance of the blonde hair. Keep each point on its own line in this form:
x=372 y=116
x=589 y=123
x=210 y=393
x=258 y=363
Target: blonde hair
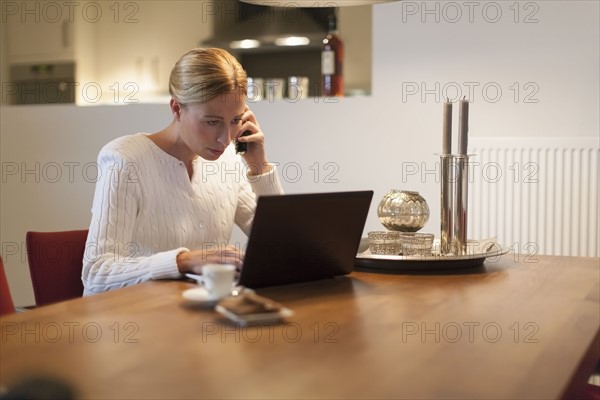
x=202 y=74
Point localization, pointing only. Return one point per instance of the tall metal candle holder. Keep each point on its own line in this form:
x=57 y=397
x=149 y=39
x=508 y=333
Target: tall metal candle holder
x=446 y=200
x=454 y=196
x=461 y=195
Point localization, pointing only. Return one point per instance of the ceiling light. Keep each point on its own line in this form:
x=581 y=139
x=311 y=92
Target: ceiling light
x=244 y=44
x=292 y=41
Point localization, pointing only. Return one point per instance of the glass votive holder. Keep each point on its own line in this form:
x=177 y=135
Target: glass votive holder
x=416 y=244
x=384 y=242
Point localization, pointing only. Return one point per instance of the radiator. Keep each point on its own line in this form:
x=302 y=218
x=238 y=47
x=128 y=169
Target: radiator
x=536 y=196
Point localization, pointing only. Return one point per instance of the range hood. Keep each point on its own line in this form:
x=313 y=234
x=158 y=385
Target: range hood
x=243 y=27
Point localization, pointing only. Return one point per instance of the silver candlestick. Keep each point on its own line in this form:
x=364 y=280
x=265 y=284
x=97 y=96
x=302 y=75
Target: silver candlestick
x=446 y=200
x=461 y=195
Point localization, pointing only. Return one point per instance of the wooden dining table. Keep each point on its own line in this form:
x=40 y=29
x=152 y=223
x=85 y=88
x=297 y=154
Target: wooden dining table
x=518 y=327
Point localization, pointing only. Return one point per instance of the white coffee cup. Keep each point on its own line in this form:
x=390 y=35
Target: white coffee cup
x=218 y=279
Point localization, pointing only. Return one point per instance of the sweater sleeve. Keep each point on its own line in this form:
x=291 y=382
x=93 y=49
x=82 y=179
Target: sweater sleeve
x=251 y=187
x=112 y=259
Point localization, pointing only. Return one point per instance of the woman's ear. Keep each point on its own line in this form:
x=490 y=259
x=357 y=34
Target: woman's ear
x=175 y=109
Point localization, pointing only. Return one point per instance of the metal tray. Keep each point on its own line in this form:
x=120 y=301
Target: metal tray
x=434 y=262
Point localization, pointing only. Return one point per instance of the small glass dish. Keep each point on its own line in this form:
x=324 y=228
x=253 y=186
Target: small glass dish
x=384 y=242
x=416 y=244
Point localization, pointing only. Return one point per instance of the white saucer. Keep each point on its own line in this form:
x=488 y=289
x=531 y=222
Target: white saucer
x=199 y=295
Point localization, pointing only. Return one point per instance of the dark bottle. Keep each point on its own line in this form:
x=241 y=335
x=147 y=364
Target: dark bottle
x=332 y=61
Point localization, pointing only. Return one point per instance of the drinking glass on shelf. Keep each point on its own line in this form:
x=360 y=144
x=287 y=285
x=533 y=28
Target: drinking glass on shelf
x=297 y=88
x=274 y=89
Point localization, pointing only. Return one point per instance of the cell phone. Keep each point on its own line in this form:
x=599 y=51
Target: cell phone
x=241 y=147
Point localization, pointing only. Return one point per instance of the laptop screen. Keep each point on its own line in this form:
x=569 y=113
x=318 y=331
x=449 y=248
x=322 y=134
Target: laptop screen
x=304 y=237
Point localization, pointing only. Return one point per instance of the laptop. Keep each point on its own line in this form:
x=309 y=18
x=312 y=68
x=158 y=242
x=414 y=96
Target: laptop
x=304 y=237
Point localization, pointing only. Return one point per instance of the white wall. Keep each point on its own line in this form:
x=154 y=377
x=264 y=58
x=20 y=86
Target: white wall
x=362 y=142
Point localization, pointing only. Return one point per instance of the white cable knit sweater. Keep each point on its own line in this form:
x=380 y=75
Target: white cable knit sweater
x=146 y=210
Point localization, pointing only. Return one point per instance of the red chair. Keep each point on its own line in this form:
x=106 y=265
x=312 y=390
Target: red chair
x=55 y=264
x=592 y=392
x=6 y=303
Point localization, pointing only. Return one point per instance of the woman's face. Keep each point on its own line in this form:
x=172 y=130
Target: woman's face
x=208 y=128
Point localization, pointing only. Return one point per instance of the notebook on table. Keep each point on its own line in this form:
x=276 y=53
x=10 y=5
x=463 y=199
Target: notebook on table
x=304 y=237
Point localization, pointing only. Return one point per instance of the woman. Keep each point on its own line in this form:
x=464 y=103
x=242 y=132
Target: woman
x=165 y=203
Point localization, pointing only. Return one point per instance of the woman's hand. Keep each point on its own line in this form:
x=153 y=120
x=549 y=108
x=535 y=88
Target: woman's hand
x=193 y=261
x=255 y=156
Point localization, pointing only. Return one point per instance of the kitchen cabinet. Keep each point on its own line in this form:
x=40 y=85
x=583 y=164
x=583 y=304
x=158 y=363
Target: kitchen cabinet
x=134 y=59
x=48 y=32
x=36 y=42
